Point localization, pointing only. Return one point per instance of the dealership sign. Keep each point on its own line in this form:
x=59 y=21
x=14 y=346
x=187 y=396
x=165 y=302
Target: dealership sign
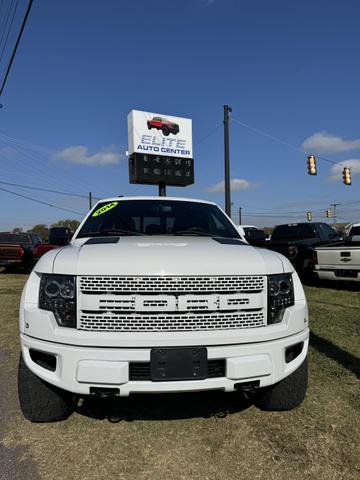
x=157 y=134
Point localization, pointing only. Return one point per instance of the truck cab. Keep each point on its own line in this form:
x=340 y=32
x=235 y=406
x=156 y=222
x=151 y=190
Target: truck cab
x=297 y=241
x=160 y=294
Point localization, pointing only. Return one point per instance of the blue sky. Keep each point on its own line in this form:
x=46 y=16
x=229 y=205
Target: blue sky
x=290 y=69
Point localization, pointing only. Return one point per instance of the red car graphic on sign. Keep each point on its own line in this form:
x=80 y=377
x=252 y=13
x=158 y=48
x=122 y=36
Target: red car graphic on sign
x=164 y=125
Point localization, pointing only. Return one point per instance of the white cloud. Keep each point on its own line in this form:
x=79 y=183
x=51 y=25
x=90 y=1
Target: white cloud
x=8 y=151
x=235 y=184
x=80 y=154
x=323 y=142
x=336 y=170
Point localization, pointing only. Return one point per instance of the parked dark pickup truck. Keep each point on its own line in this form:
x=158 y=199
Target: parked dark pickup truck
x=17 y=250
x=297 y=241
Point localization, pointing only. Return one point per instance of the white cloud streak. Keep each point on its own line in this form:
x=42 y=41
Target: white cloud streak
x=80 y=154
x=8 y=151
x=235 y=184
x=323 y=142
x=336 y=170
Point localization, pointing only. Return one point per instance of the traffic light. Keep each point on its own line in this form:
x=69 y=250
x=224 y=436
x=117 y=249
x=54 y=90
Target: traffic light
x=309 y=216
x=311 y=164
x=347 y=176
x=328 y=213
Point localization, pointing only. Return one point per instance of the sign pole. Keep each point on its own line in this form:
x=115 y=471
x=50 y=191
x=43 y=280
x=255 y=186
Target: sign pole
x=162 y=189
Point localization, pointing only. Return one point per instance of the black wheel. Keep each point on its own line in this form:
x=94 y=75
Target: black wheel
x=40 y=401
x=287 y=394
x=165 y=131
x=28 y=266
x=149 y=127
x=307 y=271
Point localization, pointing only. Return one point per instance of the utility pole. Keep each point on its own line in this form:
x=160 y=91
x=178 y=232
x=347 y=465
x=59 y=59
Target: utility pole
x=240 y=221
x=227 y=110
x=334 y=205
x=162 y=189
x=90 y=201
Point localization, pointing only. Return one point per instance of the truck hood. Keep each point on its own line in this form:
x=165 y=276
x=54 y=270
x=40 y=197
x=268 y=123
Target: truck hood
x=162 y=255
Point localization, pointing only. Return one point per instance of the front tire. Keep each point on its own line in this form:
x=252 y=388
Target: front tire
x=286 y=394
x=165 y=131
x=40 y=401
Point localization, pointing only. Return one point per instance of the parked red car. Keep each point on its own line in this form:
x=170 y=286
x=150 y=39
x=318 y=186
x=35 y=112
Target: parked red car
x=163 y=124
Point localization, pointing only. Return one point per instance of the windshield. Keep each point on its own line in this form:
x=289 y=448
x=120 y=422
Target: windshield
x=355 y=231
x=249 y=229
x=157 y=217
x=13 y=238
x=296 y=230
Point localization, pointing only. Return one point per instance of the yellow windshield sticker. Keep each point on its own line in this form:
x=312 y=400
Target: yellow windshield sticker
x=104 y=209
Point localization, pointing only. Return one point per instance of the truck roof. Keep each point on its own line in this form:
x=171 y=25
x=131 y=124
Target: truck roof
x=154 y=197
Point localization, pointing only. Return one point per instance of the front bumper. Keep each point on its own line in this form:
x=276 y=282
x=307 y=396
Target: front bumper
x=80 y=368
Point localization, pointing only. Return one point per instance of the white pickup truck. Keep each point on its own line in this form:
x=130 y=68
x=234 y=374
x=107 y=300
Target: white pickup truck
x=158 y=294
x=341 y=261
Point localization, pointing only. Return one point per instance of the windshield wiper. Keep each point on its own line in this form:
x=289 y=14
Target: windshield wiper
x=120 y=231
x=195 y=231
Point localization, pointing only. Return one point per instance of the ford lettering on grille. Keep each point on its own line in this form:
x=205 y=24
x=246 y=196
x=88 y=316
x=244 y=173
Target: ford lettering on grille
x=142 y=304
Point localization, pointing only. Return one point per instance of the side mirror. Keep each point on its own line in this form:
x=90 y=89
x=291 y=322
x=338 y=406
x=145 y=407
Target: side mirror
x=256 y=238
x=60 y=236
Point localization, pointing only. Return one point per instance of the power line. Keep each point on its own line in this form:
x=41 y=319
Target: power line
x=283 y=142
x=41 y=202
x=35 y=166
x=6 y=18
x=47 y=190
x=16 y=46
x=9 y=30
x=36 y=153
x=208 y=135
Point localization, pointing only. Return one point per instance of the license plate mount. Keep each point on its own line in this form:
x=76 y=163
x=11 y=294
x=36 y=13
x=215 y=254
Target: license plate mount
x=346 y=273
x=177 y=364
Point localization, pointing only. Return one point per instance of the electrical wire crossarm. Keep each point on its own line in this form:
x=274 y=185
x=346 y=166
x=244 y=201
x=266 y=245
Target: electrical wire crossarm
x=41 y=202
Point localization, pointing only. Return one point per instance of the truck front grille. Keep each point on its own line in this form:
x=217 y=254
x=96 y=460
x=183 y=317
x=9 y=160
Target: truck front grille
x=170 y=322
x=120 y=285
x=171 y=304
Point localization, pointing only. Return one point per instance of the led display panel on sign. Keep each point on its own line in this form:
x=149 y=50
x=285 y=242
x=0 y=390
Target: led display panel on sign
x=152 y=170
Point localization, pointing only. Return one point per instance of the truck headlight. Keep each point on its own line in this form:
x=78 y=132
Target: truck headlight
x=280 y=296
x=58 y=295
